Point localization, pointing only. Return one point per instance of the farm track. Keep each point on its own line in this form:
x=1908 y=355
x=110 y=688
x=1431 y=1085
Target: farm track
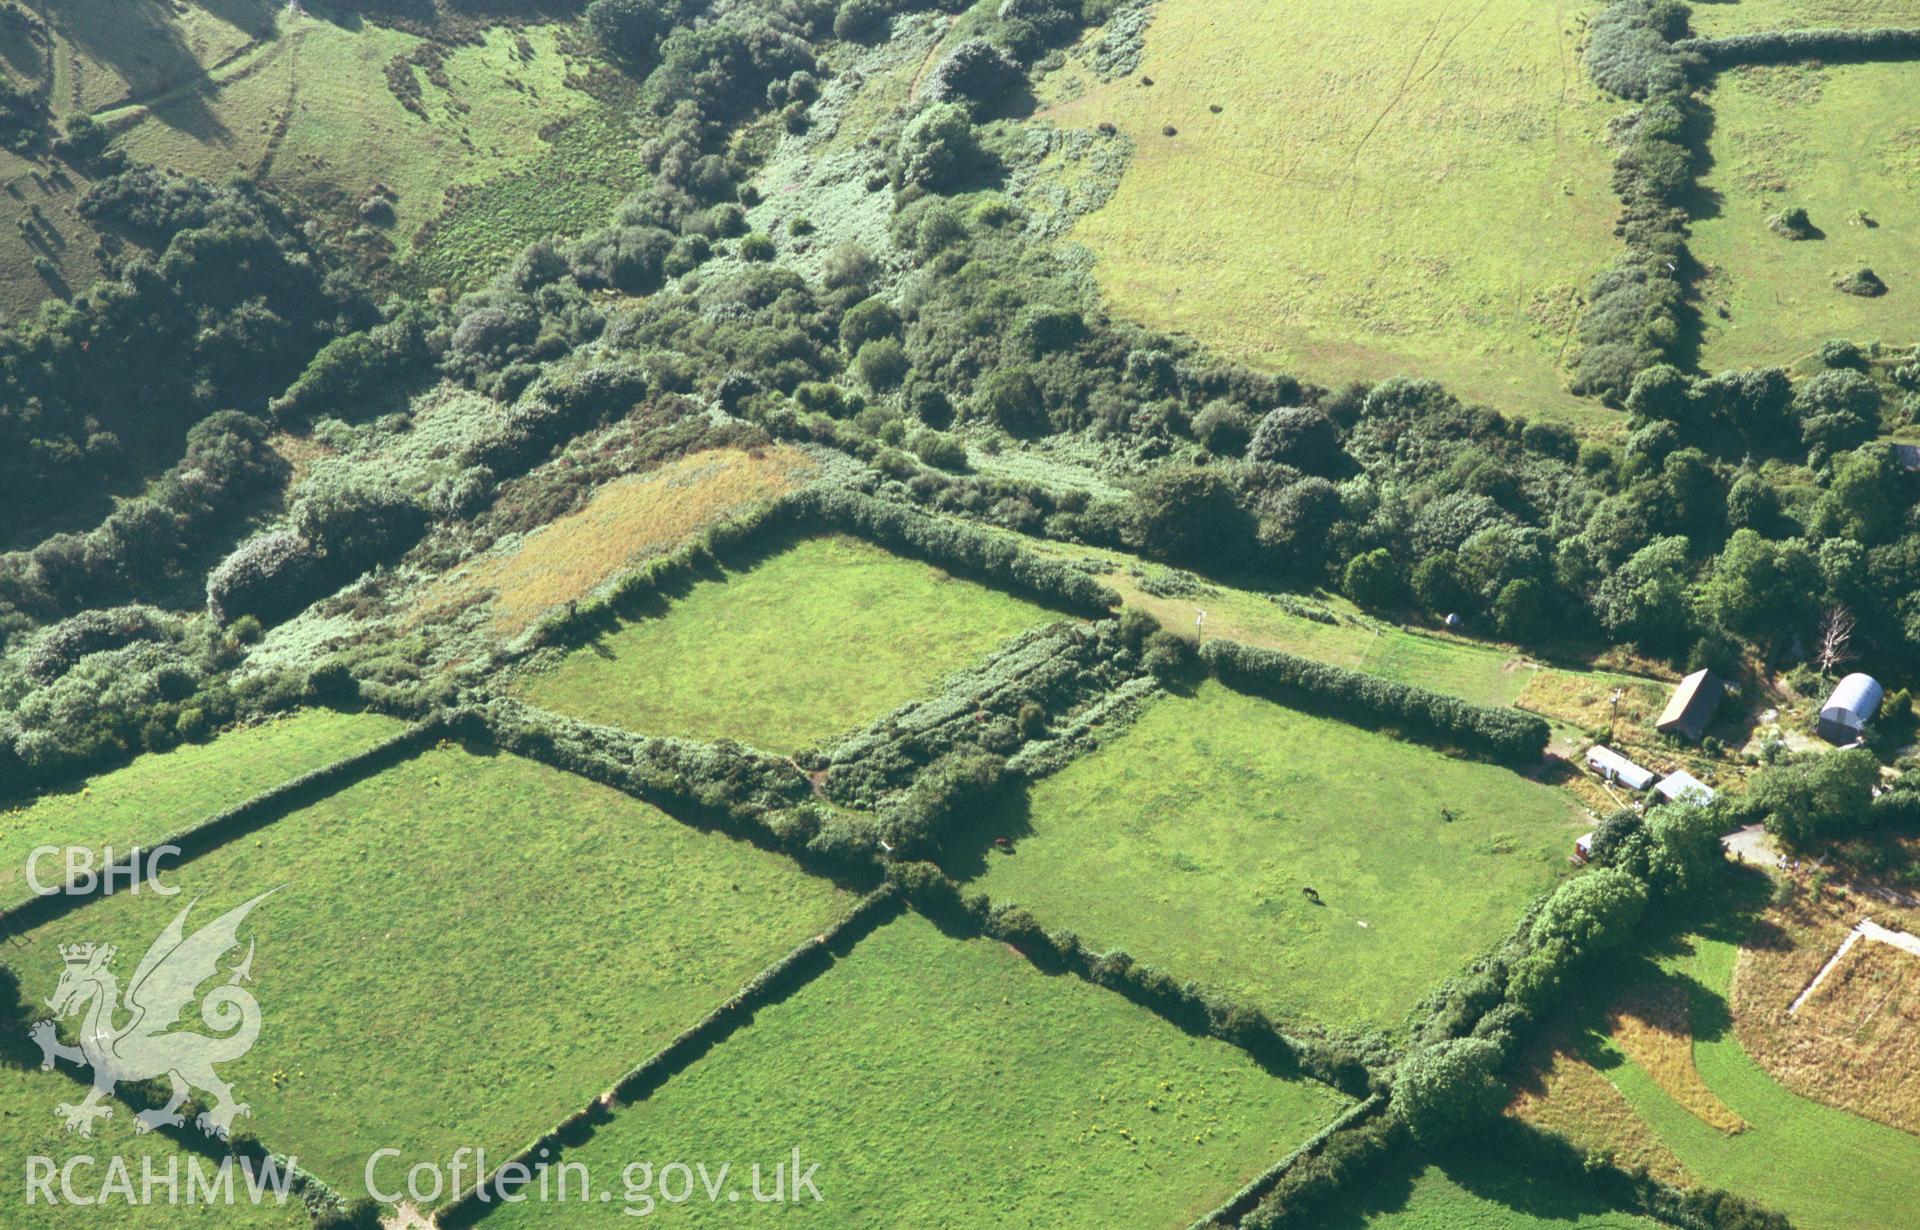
x=919 y=74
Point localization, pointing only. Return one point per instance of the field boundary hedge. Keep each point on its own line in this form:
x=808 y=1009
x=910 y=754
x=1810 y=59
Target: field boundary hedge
x=961 y=548
x=1485 y=731
x=1889 y=43
x=790 y=973
x=1187 y=1005
x=1244 y=1201
x=218 y=829
x=726 y=787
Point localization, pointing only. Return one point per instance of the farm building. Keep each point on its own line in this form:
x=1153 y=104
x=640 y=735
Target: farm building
x=1681 y=786
x=1853 y=703
x=1691 y=706
x=1614 y=767
x=1583 y=848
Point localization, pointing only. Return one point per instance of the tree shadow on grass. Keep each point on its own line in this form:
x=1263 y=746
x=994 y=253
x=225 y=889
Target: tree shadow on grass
x=969 y=844
x=1728 y=913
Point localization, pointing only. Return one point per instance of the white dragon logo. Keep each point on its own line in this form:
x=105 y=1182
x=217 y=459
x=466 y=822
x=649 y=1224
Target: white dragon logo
x=148 y=1046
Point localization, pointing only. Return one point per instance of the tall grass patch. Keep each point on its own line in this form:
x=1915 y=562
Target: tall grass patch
x=1189 y=840
x=627 y=521
x=1825 y=1168
x=463 y=950
x=944 y=1082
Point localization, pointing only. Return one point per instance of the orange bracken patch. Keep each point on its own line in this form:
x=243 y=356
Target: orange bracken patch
x=627 y=521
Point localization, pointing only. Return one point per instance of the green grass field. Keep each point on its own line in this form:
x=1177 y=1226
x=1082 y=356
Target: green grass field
x=158 y=795
x=942 y=1082
x=1715 y=20
x=508 y=148
x=1822 y=138
x=464 y=950
x=1470 y=1192
x=1187 y=839
x=815 y=640
x=1824 y=1168
x=1480 y=671
x=29 y=1128
x=1388 y=187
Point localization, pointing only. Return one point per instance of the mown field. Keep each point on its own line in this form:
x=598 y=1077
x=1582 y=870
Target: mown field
x=464 y=950
x=1342 y=203
x=157 y=795
x=29 y=1128
x=1822 y=138
x=813 y=641
x=942 y=1082
x=1824 y=1168
x=1470 y=1192
x=1714 y=20
x=1188 y=838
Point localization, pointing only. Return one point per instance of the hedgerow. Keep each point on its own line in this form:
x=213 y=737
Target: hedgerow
x=1020 y=703
x=1782 y=46
x=812 y=958
x=1484 y=730
x=223 y=826
x=1188 y=1005
x=1635 y=309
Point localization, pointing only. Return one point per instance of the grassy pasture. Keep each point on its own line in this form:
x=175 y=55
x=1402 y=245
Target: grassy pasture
x=1826 y=139
x=1479 y=671
x=1470 y=1192
x=1187 y=839
x=1715 y=20
x=465 y=950
x=627 y=521
x=1386 y=187
x=29 y=1128
x=312 y=112
x=505 y=148
x=827 y=634
x=942 y=1082
x=160 y=794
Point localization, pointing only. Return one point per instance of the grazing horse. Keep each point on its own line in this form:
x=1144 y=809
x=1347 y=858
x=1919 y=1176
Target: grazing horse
x=1313 y=895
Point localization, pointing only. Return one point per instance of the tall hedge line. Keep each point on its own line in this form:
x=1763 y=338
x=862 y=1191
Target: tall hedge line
x=1778 y=46
x=1005 y=704
x=957 y=546
x=1188 y=1005
x=215 y=831
x=808 y=961
x=1636 y=309
x=1505 y=735
x=728 y=786
x=1310 y=1176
